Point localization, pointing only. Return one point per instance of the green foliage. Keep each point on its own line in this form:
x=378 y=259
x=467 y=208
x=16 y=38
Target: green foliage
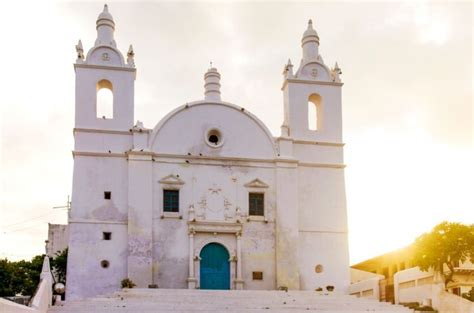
x=446 y=245
x=127 y=283
x=6 y=277
x=59 y=265
x=21 y=277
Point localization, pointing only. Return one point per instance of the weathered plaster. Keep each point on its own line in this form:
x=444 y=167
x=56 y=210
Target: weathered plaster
x=300 y=173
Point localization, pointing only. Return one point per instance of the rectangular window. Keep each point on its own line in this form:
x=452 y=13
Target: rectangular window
x=257 y=275
x=170 y=200
x=107 y=195
x=256 y=204
x=107 y=235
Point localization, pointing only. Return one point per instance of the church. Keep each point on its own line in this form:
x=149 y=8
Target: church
x=208 y=198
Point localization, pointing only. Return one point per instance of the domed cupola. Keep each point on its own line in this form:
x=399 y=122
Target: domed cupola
x=310 y=43
x=105 y=28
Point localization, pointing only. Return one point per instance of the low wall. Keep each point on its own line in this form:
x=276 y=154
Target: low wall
x=449 y=303
x=40 y=302
x=368 y=288
x=412 y=285
x=7 y=306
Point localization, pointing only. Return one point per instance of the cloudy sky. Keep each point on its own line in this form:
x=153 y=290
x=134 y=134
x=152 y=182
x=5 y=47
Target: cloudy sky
x=407 y=99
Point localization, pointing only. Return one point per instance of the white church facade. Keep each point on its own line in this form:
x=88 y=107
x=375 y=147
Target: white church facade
x=208 y=198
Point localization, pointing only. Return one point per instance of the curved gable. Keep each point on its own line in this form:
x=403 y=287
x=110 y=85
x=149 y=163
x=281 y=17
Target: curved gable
x=186 y=130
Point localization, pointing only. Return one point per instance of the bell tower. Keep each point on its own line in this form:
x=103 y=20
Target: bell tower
x=312 y=215
x=100 y=188
x=104 y=67
x=312 y=95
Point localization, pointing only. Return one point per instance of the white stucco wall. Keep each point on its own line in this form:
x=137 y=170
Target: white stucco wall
x=58 y=238
x=301 y=175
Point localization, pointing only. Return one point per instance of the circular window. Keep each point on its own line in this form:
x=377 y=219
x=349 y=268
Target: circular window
x=214 y=138
x=318 y=268
x=104 y=263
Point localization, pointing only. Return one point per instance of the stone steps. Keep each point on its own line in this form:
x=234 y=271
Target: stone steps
x=215 y=301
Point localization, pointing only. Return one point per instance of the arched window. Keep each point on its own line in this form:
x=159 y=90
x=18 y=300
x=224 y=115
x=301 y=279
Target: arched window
x=105 y=99
x=315 y=115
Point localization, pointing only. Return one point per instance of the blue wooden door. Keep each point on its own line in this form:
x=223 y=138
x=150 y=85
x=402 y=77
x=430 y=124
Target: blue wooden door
x=215 y=269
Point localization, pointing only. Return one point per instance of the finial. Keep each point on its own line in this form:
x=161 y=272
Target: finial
x=80 y=51
x=130 y=57
x=310 y=43
x=105 y=26
x=288 y=70
x=210 y=64
x=212 y=84
x=130 y=52
x=335 y=72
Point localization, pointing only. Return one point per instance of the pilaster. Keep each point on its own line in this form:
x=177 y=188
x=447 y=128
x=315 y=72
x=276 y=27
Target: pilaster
x=140 y=218
x=287 y=274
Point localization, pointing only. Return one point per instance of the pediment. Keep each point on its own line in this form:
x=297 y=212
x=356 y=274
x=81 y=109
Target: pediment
x=171 y=180
x=256 y=183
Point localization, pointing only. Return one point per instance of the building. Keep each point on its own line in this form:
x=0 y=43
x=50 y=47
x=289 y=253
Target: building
x=387 y=265
x=208 y=198
x=392 y=277
x=58 y=237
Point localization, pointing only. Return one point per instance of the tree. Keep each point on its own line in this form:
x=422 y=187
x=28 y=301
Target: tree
x=21 y=277
x=445 y=246
x=59 y=265
x=6 y=277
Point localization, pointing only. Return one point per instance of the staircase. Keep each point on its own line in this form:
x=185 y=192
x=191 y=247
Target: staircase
x=216 y=301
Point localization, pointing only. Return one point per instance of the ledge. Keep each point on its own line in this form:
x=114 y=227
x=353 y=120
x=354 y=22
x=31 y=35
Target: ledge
x=215 y=227
x=105 y=67
x=102 y=131
x=90 y=221
x=309 y=82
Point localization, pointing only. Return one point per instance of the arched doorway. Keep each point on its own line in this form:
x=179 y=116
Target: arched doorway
x=214 y=267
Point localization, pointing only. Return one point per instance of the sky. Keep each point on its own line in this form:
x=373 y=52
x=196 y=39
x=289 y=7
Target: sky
x=407 y=99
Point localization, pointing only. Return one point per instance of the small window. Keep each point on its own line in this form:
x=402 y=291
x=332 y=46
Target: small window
x=257 y=275
x=107 y=195
x=105 y=100
x=104 y=263
x=256 y=204
x=107 y=235
x=170 y=200
x=214 y=138
x=315 y=112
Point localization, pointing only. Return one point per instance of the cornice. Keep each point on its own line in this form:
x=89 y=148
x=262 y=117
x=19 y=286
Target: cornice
x=102 y=131
x=323 y=231
x=91 y=221
x=309 y=142
x=104 y=67
x=327 y=165
x=99 y=154
x=309 y=82
x=287 y=163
